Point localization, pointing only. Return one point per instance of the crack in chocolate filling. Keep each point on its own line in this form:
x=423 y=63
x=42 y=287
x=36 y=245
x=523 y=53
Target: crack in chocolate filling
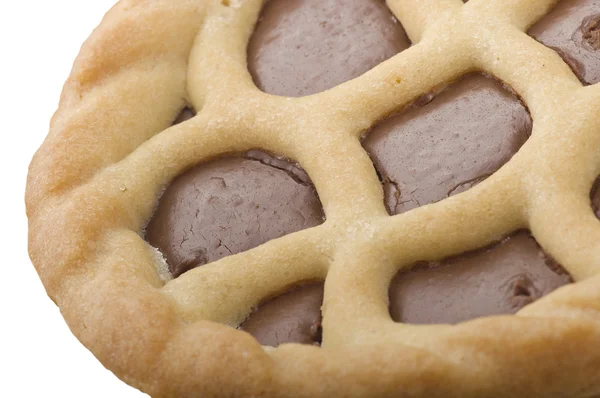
x=499 y=279
x=302 y=47
x=572 y=29
x=230 y=205
x=447 y=144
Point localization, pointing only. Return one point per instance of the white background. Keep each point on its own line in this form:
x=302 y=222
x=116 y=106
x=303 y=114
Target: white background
x=39 y=357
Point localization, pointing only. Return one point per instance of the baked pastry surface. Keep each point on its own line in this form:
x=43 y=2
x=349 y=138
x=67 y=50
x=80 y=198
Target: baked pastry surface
x=112 y=149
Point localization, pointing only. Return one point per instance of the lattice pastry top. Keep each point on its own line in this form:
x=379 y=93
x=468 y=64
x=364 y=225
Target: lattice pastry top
x=325 y=144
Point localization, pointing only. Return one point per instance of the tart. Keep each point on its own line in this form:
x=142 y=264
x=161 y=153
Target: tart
x=318 y=198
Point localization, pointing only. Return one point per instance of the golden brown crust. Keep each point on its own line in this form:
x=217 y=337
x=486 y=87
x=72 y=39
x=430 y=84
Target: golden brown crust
x=94 y=183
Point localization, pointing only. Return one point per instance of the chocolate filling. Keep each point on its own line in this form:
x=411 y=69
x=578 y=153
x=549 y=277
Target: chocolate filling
x=230 y=205
x=302 y=47
x=292 y=317
x=572 y=29
x=499 y=279
x=443 y=147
